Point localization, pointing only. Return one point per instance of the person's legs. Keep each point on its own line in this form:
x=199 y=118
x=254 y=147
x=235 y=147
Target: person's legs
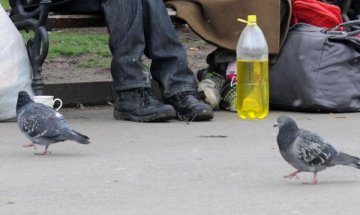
x=143 y=26
x=124 y=20
x=169 y=64
x=169 y=60
x=131 y=79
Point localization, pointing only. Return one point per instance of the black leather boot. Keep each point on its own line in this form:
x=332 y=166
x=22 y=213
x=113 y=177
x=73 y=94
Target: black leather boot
x=140 y=105
x=189 y=107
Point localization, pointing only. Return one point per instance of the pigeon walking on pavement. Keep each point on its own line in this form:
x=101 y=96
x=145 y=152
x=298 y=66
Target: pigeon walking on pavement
x=43 y=125
x=307 y=151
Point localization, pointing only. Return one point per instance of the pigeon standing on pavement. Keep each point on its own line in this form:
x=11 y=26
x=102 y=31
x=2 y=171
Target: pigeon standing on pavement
x=42 y=124
x=307 y=151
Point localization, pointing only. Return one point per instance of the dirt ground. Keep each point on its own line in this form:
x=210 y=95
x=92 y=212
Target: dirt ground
x=67 y=70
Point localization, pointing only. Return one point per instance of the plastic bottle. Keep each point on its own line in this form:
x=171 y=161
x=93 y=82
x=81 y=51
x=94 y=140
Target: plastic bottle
x=252 y=89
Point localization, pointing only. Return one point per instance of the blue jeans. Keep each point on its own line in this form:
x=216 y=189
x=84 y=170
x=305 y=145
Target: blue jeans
x=138 y=27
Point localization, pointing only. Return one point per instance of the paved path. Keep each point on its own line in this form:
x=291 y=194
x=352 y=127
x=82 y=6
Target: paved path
x=224 y=167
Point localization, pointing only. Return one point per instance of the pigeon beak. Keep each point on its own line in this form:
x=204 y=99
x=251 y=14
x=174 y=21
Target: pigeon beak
x=275 y=125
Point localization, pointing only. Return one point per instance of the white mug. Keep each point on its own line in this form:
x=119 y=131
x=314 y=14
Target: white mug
x=48 y=100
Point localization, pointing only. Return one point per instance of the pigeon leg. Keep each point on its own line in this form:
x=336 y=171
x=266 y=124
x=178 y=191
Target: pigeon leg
x=313 y=181
x=29 y=145
x=291 y=175
x=44 y=152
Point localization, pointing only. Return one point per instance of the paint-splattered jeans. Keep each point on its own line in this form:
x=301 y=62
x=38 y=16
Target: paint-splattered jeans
x=138 y=27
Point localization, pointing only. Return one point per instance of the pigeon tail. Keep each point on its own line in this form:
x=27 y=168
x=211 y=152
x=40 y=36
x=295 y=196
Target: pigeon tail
x=80 y=138
x=345 y=159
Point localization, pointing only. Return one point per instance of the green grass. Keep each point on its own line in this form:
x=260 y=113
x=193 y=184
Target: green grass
x=94 y=46
x=5 y=4
x=74 y=44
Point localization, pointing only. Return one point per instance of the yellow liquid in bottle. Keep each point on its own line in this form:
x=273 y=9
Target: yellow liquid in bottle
x=252 y=89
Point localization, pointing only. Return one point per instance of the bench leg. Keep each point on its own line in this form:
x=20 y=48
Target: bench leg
x=37 y=46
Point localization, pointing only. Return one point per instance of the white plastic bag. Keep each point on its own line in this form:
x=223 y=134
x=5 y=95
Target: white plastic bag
x=15 y=68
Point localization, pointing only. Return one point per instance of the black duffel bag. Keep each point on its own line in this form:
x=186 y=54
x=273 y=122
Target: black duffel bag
x=318 y=70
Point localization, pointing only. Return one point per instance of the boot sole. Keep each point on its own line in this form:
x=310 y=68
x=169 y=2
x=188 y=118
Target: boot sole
x=159 y=117
x=203 y=116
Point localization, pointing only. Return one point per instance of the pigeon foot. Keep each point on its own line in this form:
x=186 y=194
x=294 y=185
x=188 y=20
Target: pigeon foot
x=29 y=145
x=292 y=175
x=43 y=153
x=313 y=182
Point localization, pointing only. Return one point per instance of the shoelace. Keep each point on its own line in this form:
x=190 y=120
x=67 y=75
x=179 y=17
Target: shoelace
x=146 y=96
x=181 y=95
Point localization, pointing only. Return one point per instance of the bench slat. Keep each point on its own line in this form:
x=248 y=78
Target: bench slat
x=82 y=21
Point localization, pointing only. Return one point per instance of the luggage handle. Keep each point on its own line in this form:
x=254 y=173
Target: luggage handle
x=352 y=23
x=355 y=24
x=343 y=34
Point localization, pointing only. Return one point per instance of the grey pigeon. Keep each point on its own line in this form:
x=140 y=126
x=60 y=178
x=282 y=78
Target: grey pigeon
x=307 y=151
x=43 y=125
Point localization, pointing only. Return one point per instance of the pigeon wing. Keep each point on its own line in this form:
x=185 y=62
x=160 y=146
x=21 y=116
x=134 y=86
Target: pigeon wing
x=37 y=120
x=313 y=150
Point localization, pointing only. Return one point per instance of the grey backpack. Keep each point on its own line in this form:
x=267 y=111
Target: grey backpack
x=318 y=70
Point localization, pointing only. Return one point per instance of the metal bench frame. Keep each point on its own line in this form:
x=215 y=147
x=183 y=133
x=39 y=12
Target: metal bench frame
x=37 y=46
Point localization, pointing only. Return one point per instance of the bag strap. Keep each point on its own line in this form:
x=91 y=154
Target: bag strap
x=351 y=24
x=348 y=35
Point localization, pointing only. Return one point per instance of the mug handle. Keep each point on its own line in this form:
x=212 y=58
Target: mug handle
x=60 y=105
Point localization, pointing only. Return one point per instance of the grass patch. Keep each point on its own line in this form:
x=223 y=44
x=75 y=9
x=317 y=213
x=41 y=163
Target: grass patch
x=5 y=4
x=74 y=51
x=75 y=44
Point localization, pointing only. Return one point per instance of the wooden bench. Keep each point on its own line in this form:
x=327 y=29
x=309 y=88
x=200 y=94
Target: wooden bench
x=56 y=20
x=39 y=21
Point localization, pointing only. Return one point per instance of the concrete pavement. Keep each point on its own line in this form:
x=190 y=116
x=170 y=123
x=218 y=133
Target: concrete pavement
x=226 y=166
